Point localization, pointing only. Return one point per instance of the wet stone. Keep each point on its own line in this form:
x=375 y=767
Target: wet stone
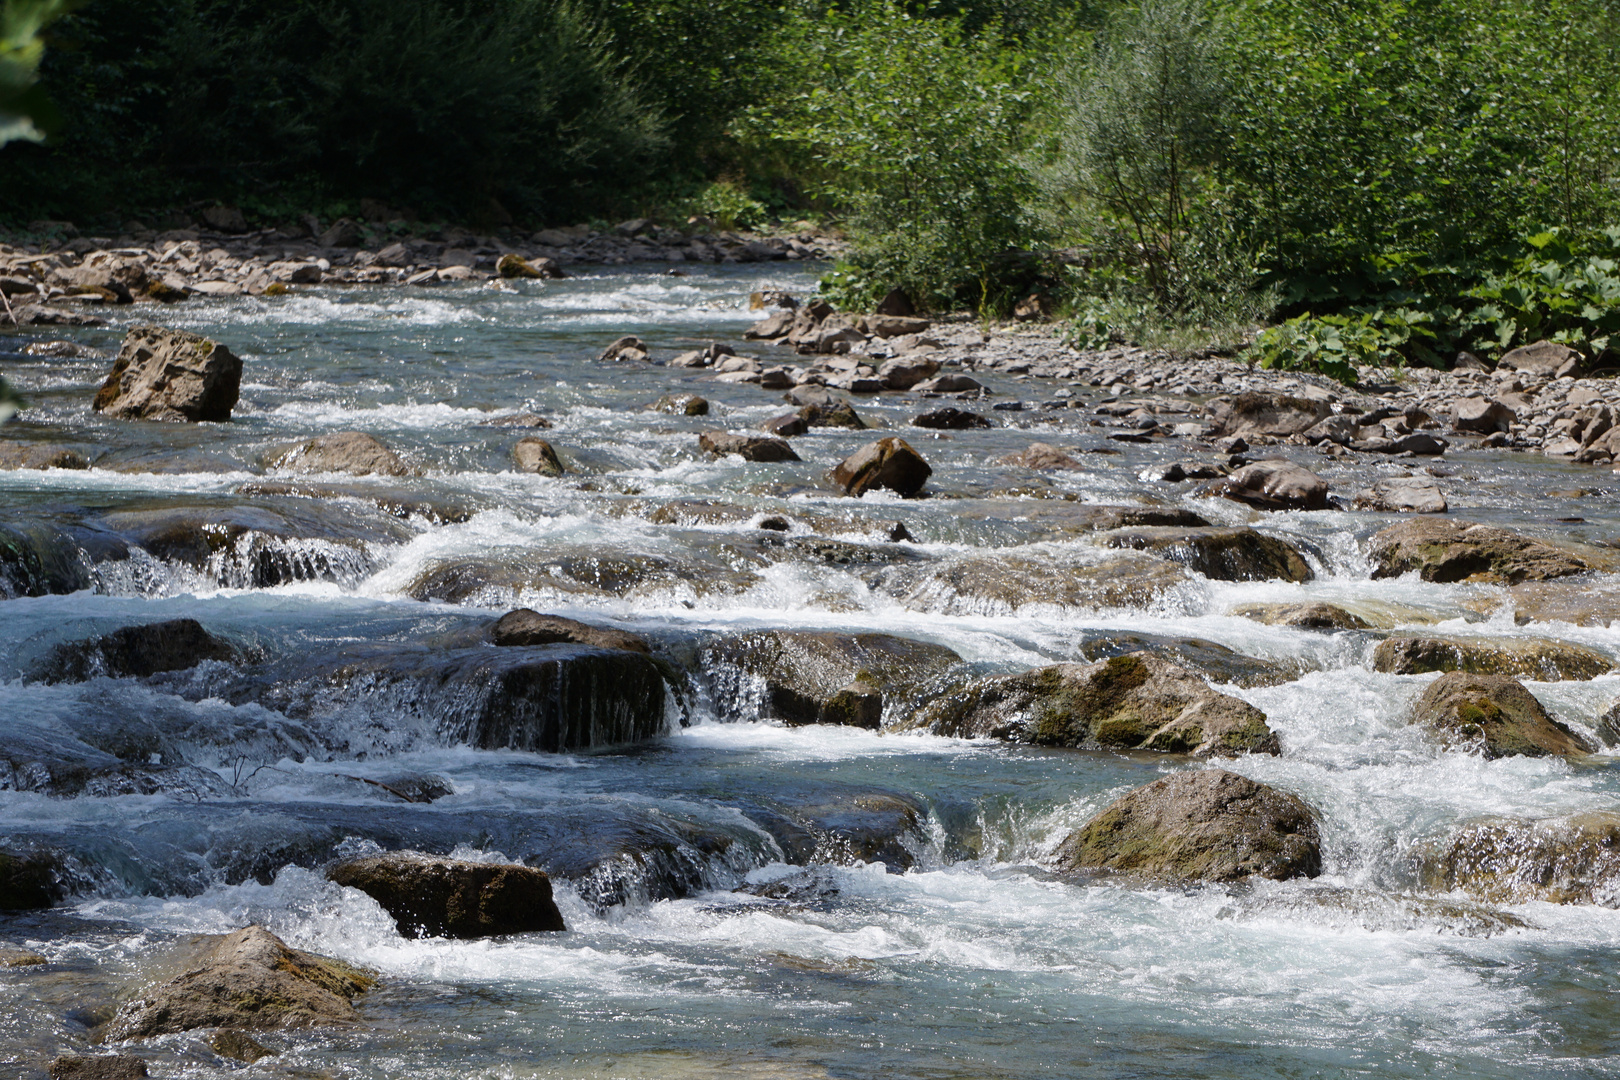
x=1541 y=660
x=1493 y=715
x=1314 y=616
x=1238 y=554
x=439 y=897
x=1444 y=551
x=97 y=1067
x=139 y=651
x=1570 y=860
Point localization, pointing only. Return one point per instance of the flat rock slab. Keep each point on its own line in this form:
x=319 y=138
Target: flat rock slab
x=1540 y=659
x=1137 y=701
x=456 y=898
x=1199 y=826
x=1314 y=616
x=139 y=651
x=524 y=627
x=250 y=979
x=1447 y=551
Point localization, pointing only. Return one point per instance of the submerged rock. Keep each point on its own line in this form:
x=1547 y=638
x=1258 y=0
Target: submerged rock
x=827 y=823
x=29 y=880
x=352 y=452
x=1043 y=457
x=888 y=463
x=436 y=897
x=1570 y=860
x=97 y=1067
x=15 y=455
x=525 y=627
x=1494 y=714
x=38 y=560
x=1409 y=495
x=1199 y=826
x=1314 y=616
x=170 y=375
x=682 y=405
x=238 y=1046
x=13 y=957
x=819 y=677
x=1136 y=701
x=1542 y=660
x=138 y=651
x=950 y=419
x=1274 y=485
x=1004 y=584
x=1445 y=551
x=1237 y=554
x=250 y=979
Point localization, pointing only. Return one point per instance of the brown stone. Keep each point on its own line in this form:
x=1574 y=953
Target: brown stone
x=352 y=452
x=527 y=627
x=170 y=375
x=535 y=455
x=761 y=448
x=430 y=896
x=1494 y=714
x=1445 y=551
x=887 y=463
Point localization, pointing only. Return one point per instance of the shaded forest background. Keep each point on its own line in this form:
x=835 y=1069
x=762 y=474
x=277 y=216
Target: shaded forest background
x=1384 y=181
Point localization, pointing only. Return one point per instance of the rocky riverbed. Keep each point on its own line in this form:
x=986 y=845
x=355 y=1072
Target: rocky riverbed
x=622 y=674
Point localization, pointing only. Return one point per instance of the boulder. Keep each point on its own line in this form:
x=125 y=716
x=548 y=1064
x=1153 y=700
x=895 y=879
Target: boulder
x=1315 y=616
x=1000 y=584
x=786 y=426
x=30 y=880
x=1541 y=660
x=1137 y=701
x=1041 y=456
x=1275 y=484
x=1221 y=554
x=1577 y=602
x=896 y=302
x=1494 y=714
x=1199 y=826
x=1481 y=415
x=225 y=219
x=1210 y=659
x=832 y=414
x=97 y=1067
x=1543 y=359
x=535 y=455
x=761 y=448
x=1569 y=860
x=891 y=326
x=682 y=405
x=905 y=372
x=948 y=384
x=950 y=419
x=40 y=456
x=775 y=325
x=1274 y=415
x=170 y=375
x=1341 y=429
x=888 y=463
x=516 y=266
x=628 y=347
x=139 y=651
x=352 y=452
x=251 y=980
x=1403 y=495
x=525 y=627
x=819 y=677
x=1445 y=551
x=454 y=898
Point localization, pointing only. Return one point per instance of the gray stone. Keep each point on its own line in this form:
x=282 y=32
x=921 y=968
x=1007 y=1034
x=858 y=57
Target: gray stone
x=170 y=375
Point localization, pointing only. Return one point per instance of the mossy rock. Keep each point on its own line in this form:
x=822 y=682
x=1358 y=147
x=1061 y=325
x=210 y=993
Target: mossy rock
x=1541 y=660
x=1495 y=715
x=1137 y=701
x=1238 y=554
x=1199 y=826
x=1570 y=860
x=1446 y=551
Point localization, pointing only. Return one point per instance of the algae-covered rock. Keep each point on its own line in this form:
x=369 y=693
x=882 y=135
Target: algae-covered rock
x=1494 y=714
x=1199 y=826
x=440 y=897
x=1238 y=554
x=1137 y=701
x=819 y=677
x=1441 y=550
x=1568 y=860
x=526 y=627
x=139 y=651
x=13 y=957
x=1208 y=658
x=1542 y=660
x=1312 y=616
x=250 y=979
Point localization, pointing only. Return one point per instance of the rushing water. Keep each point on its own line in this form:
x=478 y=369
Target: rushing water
x=974 y=962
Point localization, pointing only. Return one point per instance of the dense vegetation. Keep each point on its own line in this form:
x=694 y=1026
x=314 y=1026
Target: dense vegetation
x=1389 y=180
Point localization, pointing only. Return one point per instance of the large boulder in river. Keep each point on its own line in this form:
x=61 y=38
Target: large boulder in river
x=1199 y=826
x=1442 y=550
x=1495 y=715
x=251 y=979
x=887 y=463
x=998 y=584
x=1570 y=860
x=1275 y=415
x=819 y=677
x=1138 y=701
x=352 y=452
x=1238 y=554
x=139 y=651
x=1484 y=416
x=524 y=627
x=535 y=455
x=455 y=898
x=1275 y=484
x=1539 y=659
x=170 y=375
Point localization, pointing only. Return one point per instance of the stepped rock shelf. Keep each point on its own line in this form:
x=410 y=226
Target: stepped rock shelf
x=655 y=675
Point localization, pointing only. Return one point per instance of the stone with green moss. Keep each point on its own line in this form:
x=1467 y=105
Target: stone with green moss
x=1441 y=550
x=1540 y=659
x=1137 y=701
x=1569 y=860
x=1199 y=826
x=1494 y=715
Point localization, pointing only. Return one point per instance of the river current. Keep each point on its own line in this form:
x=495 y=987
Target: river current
x=975 y=961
